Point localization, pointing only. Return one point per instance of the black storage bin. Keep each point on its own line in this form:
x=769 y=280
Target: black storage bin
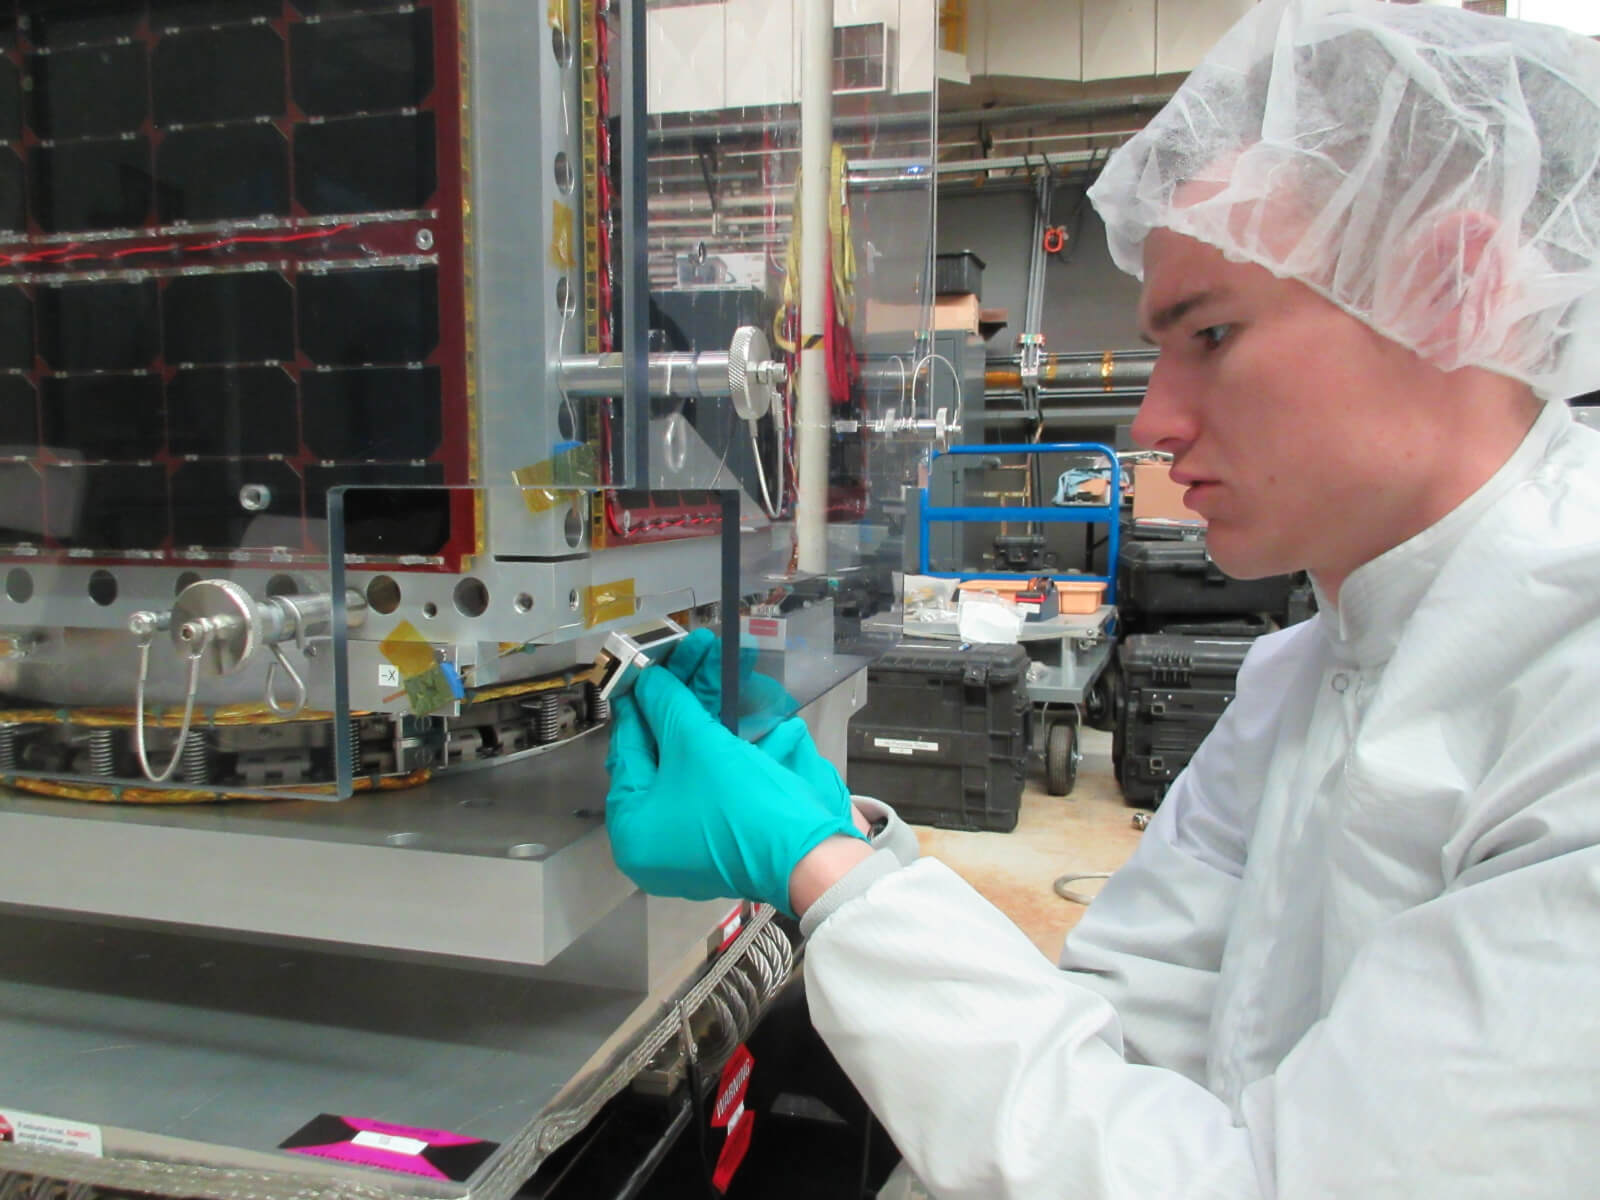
x=1174 y=689
x=1163 y=578
x=944 y=736
x=958 y=274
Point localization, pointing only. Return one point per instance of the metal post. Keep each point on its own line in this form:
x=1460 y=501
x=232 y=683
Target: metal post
x=811 y=406
x=635 y=243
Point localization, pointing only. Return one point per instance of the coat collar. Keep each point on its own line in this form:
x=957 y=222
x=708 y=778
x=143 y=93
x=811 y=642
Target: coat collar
x=1379 y=597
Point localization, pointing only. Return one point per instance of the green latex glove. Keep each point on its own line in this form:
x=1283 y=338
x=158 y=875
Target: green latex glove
x=766 y=710
x=695 y=812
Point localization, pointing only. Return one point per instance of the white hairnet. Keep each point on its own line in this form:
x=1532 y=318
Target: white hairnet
x=1431 y=171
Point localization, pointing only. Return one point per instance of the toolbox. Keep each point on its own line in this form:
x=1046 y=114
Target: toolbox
x=1173 y=578
x=958 y=274
x=1174 y=688
x=945 y=735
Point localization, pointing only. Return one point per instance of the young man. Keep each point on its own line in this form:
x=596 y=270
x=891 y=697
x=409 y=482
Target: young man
x=1355 y=952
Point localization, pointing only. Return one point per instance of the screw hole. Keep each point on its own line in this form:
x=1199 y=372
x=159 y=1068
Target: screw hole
x=430 y=610
x=523 y=602
x=103 y=588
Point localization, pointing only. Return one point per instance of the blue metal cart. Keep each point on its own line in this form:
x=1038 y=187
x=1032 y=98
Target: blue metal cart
x=1070 y=652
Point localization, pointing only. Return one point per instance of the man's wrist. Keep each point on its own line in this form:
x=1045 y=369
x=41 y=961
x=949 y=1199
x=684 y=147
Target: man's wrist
x=829 y=861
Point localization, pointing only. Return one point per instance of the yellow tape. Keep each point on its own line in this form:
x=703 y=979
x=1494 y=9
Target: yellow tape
x=408 y=650
x=561 y=235
x=531 y=687
x=101 y=794
x=552 y=482
x=608 y=602
x=556 y=14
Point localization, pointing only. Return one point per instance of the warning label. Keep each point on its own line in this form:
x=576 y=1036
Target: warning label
x=904 y=745
x=49 y=1133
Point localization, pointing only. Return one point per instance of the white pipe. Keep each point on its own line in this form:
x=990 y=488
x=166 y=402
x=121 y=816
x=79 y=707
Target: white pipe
x=811 y=403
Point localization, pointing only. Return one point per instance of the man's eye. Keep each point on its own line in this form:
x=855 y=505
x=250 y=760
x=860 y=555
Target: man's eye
x=1212 y=336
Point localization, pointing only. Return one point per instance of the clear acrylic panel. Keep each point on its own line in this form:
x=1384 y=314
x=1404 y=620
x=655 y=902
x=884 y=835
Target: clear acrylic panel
x=724 y=251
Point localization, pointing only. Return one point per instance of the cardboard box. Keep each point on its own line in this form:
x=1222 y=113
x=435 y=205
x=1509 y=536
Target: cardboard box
x=949 y=312
x=956 y=312
x=1157 y=498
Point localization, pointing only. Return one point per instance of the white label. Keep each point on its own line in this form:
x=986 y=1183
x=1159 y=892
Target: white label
x=49 y=1133
x=903 y=745
x=388 y=675
x=389 y=1142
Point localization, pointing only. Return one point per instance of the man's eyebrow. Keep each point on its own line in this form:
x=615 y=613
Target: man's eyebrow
x=1165 y=318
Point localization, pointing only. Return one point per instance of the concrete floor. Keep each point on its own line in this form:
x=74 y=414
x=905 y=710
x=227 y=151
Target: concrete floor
x=1089 y=830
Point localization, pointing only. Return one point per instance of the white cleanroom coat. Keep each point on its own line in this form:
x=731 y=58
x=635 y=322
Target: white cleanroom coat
x=1358 y=950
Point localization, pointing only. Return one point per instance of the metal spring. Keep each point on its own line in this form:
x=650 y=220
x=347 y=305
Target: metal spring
x=353 y=736
x=195 y=765
x=8 y=747
x=547 y=718
x=102 y=752
x=599 y=706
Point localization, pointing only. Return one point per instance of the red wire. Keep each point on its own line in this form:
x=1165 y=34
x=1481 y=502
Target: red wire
x=64 y=254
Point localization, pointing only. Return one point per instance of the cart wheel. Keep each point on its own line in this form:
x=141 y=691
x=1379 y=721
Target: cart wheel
x=1061 y=757
x=1100 y=705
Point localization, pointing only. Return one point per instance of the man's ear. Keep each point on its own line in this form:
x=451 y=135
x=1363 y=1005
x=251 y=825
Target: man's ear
x=1450 y=291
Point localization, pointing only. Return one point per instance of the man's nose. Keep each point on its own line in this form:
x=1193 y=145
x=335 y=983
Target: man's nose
x=1166 y=416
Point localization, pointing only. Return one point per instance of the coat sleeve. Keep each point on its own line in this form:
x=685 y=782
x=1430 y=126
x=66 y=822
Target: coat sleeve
x=1152 y=942
x=920 y=982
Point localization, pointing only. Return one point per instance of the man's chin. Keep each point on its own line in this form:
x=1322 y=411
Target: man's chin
x=1239 y=559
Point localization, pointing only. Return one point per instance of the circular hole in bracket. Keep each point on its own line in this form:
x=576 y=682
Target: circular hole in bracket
x=19 y=584
x=561 y=47
x=383 y=595
x=283 y=585
x=566 y=303
x=528 y=850
x=471 y=597
x=403 y=839
x=563 y=171
x=430 y=610
x=572 y=600
x=523 y=603
x=573 y=527
x=103 y=588
x=187 y=579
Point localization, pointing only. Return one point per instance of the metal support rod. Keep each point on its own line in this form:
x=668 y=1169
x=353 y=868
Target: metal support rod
x=1099 y=107
x=1107 y=372
x=683 y=375
x=635 y=239
x=811 y=405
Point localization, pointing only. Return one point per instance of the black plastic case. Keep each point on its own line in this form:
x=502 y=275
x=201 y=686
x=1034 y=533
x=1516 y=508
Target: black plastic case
x=1174 y=690
x=945 y=734
x=1167 y=578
